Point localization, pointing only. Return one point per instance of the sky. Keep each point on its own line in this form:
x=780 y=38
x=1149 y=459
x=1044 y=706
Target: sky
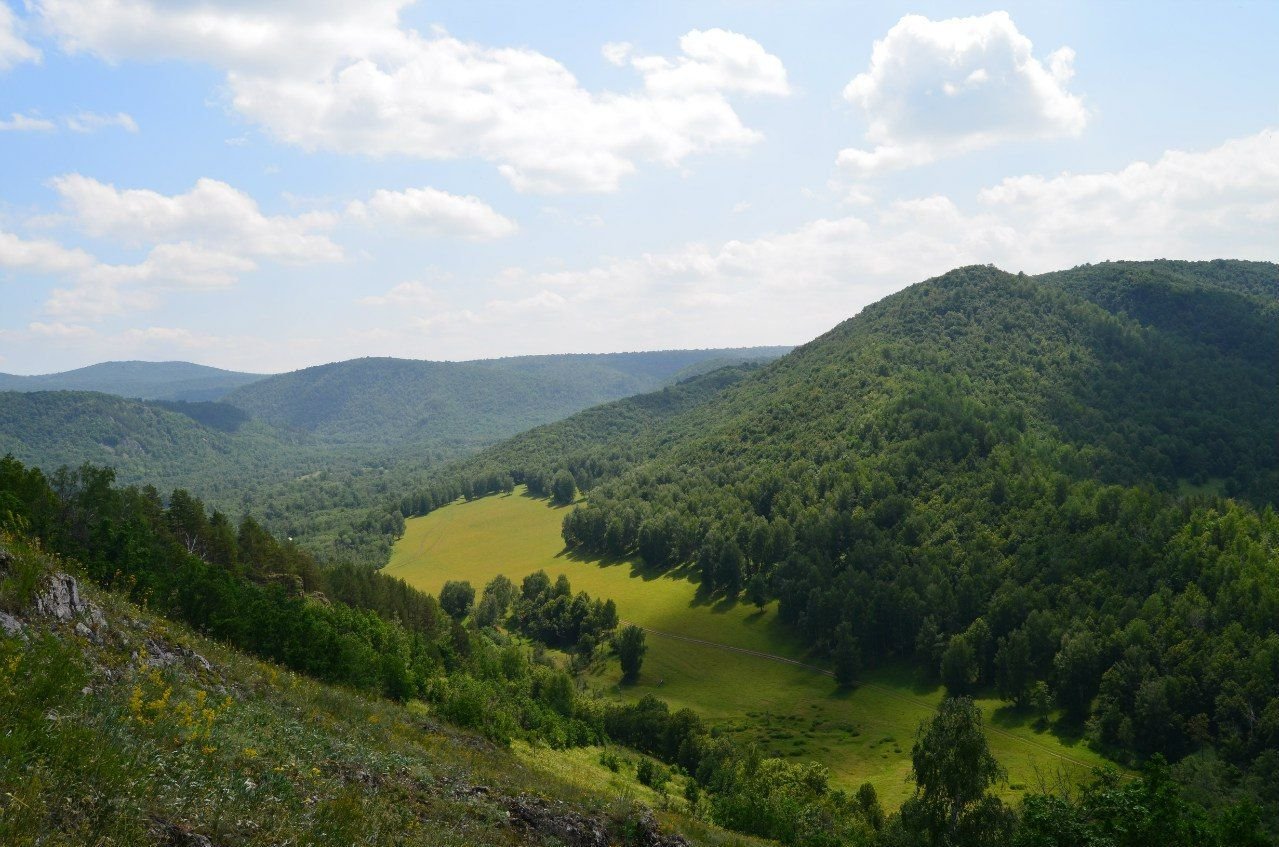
x=264 y=186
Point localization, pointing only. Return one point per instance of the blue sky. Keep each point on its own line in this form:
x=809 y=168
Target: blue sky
x=264 y=186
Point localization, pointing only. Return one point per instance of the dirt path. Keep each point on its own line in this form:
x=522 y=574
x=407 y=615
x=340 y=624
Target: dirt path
x=891 y=692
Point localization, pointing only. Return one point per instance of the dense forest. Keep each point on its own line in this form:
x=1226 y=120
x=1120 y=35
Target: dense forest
x=320 y=455
x=359 y=629
x=1060 y=488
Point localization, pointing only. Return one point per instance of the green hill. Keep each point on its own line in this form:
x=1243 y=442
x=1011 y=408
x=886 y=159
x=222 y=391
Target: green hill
x=321 y=454
x=145 y=380
x=381 y=402
x=165 y=443
x=986 y=476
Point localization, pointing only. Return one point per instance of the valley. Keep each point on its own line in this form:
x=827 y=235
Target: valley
x=728 y=661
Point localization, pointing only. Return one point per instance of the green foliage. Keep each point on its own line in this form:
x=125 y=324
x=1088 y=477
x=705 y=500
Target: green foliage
x=953 y=771
x=456 y=598
x=563 y=488
x=630 y=647
x=649 y=773
x=553 y=615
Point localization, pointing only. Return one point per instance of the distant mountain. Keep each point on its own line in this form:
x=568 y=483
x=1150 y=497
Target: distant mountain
x=386 y=402
x=144 y=380
x=207 y=446
x=318 y=454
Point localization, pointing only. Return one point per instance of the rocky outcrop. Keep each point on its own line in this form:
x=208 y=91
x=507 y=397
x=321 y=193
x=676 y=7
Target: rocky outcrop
x=11 y=625
x=556 y=822
x=60 y=599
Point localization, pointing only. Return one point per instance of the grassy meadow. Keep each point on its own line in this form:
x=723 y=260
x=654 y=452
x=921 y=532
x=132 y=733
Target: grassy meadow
x=792 y=710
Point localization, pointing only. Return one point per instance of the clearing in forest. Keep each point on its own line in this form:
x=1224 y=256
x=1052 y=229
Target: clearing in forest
x=733 y=663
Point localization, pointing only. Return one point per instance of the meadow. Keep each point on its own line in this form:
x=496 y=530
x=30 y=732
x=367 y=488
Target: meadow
x=706 y=655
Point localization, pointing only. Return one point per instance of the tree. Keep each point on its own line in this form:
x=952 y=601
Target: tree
x=847 y=657
x=1014 y=670
x=869 y=807
x=630 y=648
x=1041 y=700
x=496 y=601
x=958 y=666
x=757 y=590
x=456 y=598
x=563 y=488
x=953 y=770
x=1076 y=670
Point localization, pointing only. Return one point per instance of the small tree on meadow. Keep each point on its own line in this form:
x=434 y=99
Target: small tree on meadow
x=630 y=648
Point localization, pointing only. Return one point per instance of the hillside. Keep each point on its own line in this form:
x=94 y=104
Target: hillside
x=167 y=444
x=1016 y=484
x=144 y=380
x=126 y=727
x=393 y=402
x=319 y=454
x=185 y=741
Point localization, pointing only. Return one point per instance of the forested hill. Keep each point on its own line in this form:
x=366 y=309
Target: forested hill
x=381 y=402
x=205 y=446
x=146 y=380
x=1009 y=480
x=320 y=454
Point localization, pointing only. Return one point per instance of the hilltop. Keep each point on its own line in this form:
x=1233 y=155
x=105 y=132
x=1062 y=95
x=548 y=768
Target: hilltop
x=182 y=381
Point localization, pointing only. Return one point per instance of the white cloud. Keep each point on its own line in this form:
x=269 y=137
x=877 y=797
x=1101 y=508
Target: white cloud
x=26 y=123
x=714 y=60
x=350 y=78
x=86 y=122
x=206 y=238
x=789 y=286
x=405 y=294
x=212 y=214
x=434 y=212
x=940 y=88
x=14 y=49
x=41 y=256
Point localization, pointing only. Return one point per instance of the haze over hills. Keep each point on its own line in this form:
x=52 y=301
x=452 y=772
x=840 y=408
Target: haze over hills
x=381 y=402
x=145 y=380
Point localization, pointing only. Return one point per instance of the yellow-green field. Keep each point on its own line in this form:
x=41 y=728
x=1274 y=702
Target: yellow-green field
x=793 y=710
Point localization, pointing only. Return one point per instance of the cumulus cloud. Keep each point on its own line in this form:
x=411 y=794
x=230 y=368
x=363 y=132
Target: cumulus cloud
x=14 y=49
x=434 y=212
x=205 y=238
x=41 y=256
x=352 y=78
x=789 y=286
x=87 y=122
x=940 y=88
x=26 y=123
x=213 y=215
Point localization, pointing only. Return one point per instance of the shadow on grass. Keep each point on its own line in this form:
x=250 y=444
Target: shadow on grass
x=1019 y=717
x=550 y=504
x=638 y=569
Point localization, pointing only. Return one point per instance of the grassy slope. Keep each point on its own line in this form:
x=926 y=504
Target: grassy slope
x=277 y=758
x=861 y=736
